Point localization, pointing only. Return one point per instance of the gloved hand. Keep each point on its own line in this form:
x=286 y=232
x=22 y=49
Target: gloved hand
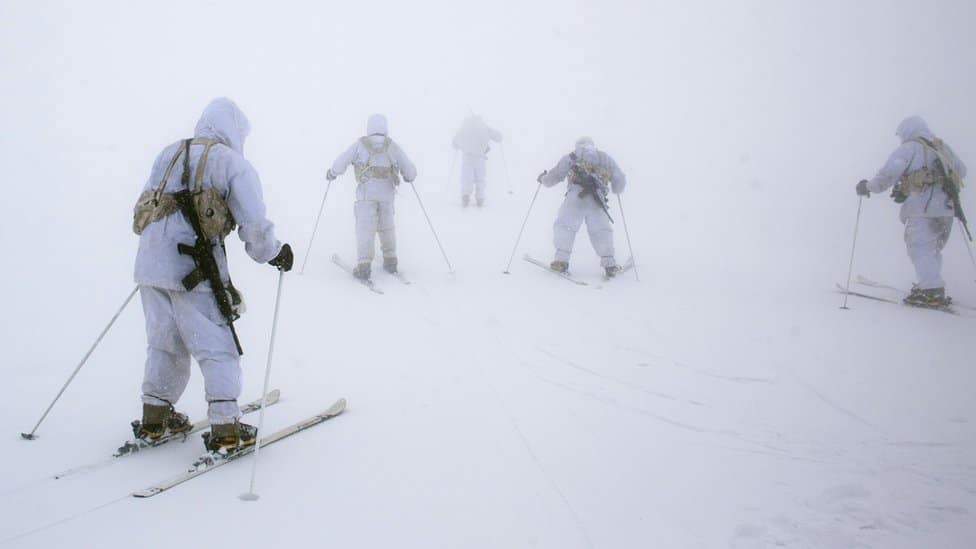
x=541 y=175
x=329 y=176
x=284 y=260
x=862 y=188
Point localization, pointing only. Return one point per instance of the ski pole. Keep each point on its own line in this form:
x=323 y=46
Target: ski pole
x=508 y=180
x=627 y=232
x=519 y=239
x=316 y=228
x=421 y=202
x=969 y=250
x=850 y=268
x=31 y=435
x=250 y=495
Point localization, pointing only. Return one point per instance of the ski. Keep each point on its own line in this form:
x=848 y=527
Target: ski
x=947 y=309
x=136 y=445
x=345 y=267
x=542 y=265
x=212 y=460
x=628 y=265
x=864 y=281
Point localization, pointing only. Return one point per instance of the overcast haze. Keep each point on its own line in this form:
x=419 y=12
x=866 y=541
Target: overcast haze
x=742 y=128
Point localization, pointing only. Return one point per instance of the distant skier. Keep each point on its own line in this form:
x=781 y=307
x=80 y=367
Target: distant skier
x=474 y=139
x=378 y=162
x=927 y=176
x=592 y=174
x=188 y=299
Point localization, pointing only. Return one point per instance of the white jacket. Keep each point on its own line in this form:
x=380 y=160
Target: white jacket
x=379 y=190
x=474 y=137
x=586 y=151
x=158 y=263
x=909 y=157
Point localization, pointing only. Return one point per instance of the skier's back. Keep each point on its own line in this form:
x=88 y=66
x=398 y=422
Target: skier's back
x=378 y=162
x=183 y=312
x=592 y=173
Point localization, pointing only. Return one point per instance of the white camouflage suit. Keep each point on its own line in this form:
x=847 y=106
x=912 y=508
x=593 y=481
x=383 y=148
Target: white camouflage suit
x=927 y=214
x=180 y=323
x=474 y=139
x=576 y=209
x=374 y=197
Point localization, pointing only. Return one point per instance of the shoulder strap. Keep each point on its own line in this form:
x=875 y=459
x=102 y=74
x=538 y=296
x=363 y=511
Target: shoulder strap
x=201 y=165
x=169 y=169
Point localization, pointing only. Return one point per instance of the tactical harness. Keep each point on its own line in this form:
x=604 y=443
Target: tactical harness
x=593 y=179
x=926 y=179
x=207 y=213
x=216 y=219
x=368 y=170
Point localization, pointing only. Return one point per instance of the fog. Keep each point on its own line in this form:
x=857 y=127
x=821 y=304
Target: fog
x=742 y=128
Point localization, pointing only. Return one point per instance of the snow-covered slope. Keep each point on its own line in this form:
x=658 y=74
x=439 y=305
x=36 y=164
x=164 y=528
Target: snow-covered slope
x=724 y=400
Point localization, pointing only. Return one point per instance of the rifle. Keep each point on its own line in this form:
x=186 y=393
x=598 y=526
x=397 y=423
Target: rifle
x=202 y=253
x=952 y=191
x=949 y=185
x=591 y=186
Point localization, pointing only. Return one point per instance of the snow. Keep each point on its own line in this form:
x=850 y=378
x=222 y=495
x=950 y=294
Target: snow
x=723 y=401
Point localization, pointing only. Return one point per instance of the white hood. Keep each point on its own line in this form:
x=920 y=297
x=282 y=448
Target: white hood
x=377 y=125
x=223 y=120
x=913 y=127
x=584 y=143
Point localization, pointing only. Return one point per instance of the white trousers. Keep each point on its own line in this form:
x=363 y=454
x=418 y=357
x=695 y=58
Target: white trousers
x=572 y=214
x=184 y=324
x=372 y=218
x=473 y=176
x=925 y=237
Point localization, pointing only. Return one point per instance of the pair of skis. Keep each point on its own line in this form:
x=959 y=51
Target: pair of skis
x=565 y=275
x=210 y=460
x=953 y=308
x=137 y=445
x=369 y=281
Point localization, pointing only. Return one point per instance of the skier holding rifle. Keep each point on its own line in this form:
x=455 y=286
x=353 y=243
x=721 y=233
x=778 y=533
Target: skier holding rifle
x=199 y=190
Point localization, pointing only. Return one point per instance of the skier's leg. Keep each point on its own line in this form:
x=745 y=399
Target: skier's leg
x=167 y=369
x=366 y=222
x=480 y=179
x=210 y=342
x=567 y=224
x=601 y=233
x=467 y=178
x=387 y=230
x=924 y=238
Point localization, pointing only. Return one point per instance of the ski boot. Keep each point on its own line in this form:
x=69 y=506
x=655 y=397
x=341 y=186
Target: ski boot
x=156 y=420
x=362 y=271
x=227 y=437
x=612 y=270
x=390 y=265
x=465 y=200
x=934 y=298
x=559 y=266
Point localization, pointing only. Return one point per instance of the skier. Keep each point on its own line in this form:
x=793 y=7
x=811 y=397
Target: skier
x=473 y=140
x=378 y=162
x=187 y=296
x=926 y=175
x=591 y=172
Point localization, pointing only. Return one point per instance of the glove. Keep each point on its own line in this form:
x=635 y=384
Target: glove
x=329 y=176
x=541 y=175
x=862 y=188
x=283 y=261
